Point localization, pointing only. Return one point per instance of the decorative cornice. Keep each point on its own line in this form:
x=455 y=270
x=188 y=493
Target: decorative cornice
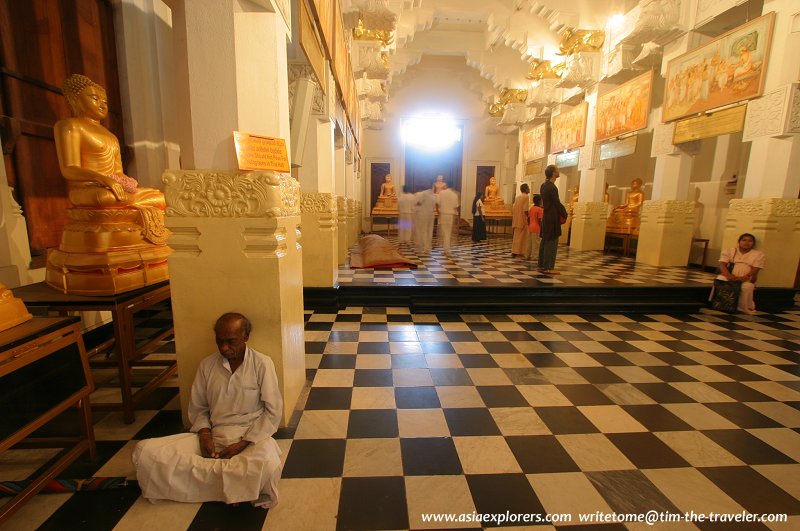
x=317 y=203
x=783 y=208
x=221 y=194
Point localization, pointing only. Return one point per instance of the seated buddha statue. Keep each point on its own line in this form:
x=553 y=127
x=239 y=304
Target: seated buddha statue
x=439 y=184
x=574 y=199
x=116 y=239
x=387 y=199
x=625 y=218
x=491 y=196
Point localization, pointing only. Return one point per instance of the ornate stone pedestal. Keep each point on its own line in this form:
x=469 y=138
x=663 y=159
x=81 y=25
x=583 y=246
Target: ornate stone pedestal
x=108 y=251
x=352 y=226
x=235 y=237
x=320 y=239
x=774 y=223
x=344 y=228
x=665 y=234
x=588 y=227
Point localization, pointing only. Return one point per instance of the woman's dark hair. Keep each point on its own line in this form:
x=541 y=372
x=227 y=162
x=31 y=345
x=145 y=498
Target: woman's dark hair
x=745 y=235
x=478 y=195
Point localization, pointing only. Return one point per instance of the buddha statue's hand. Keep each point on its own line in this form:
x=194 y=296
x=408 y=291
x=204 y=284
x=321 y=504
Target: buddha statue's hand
x=129 y=184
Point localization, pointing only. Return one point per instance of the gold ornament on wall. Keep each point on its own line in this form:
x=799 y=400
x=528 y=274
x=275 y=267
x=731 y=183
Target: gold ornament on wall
x=361 y=33
x=507 y=97
x=542 y=69
x=581 y=40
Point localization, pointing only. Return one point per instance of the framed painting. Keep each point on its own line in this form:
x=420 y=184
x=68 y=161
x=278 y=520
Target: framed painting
x=324 y=11
x=725 y=70
x=624 y=109
x=569 y=129
x=534 y=143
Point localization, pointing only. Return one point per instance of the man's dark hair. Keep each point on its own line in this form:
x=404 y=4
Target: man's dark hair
x=549 y=171
x=246 y=325
x=405 y=189
x=537 y=200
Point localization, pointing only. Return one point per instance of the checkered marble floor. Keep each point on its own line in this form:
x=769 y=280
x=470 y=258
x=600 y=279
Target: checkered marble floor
x=489 y=263
x=548 y=414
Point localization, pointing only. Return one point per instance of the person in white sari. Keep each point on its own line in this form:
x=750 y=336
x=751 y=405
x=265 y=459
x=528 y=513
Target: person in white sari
x=235 y=408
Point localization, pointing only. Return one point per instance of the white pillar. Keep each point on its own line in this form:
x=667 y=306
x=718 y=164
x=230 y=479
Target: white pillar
x=231 y=72
x=667 y=220
x=769 y=207
x=588 y=223
x=237 y=250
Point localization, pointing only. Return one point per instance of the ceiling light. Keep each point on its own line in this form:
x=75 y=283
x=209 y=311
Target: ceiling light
x=616 y=21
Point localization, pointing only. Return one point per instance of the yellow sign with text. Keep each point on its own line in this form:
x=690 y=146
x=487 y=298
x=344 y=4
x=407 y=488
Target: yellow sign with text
x=255 y=152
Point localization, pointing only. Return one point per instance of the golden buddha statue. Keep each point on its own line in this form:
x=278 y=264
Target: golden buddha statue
x=574 y=199
x=387 y=199
x=12 y=310
x=439 y=184
x=493 y=204
x=626 y=218
x=116 y=239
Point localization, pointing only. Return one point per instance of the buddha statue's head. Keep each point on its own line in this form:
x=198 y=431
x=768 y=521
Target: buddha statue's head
x=85 y=97
x=388 y=178
x=636 y=184
x=439 y=178
x=493 y=180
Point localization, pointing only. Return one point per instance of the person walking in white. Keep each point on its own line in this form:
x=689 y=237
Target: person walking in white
x=405 y=204
x=426 y=205
x=448 y=211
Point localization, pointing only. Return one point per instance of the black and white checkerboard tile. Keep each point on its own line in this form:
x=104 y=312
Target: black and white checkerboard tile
x=558 y=414
x=489 y=263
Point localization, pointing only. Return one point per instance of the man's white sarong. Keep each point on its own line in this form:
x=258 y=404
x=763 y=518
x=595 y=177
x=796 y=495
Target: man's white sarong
x=246 y=405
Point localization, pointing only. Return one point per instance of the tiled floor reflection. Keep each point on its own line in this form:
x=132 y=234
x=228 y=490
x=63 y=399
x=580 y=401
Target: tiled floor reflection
x=413 y=414
x=489 y=263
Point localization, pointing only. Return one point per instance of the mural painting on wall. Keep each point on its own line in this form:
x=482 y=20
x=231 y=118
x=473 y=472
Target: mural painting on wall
x=324 y=9
x=624 y=109
x=725 y=70
x=569 y=129
x=534 y=143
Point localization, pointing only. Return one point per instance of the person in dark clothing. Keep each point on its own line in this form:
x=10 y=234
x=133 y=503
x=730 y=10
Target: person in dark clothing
x=478 y=218
x=554 y=211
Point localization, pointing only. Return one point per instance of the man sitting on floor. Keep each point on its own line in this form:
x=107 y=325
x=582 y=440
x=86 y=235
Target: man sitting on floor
x=235 y=409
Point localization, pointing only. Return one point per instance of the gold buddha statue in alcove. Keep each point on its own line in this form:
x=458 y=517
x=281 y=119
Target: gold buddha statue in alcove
x=626 y=218
x=116 y=238
x=387 y=198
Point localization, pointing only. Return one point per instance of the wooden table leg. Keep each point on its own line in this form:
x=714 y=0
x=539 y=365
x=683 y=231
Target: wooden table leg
x=126 y=351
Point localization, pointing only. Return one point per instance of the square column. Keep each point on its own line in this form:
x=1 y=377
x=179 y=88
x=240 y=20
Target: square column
x=235 y=237
x=588 y=226
x=352 y=226
x=665 y=234
x=320 y=239
x=774 y=223
x=343 y=237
